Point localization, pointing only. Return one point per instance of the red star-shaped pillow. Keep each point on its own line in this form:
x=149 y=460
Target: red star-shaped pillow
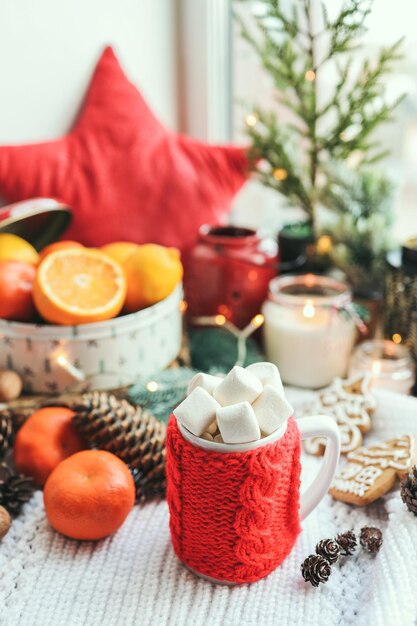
x=124 y=174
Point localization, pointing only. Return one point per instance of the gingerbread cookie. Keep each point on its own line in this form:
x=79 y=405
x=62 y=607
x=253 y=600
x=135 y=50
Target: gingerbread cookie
x=372 y=471
x=351 y=404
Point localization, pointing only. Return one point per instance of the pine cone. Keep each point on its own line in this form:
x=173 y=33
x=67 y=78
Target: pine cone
x=371 y=539
x=6 y=432
x=17 y=416
x=315 y=569
x=130 y=433
x=347 y=542
x=409 y=490
x=329 y=549
x=15 y=490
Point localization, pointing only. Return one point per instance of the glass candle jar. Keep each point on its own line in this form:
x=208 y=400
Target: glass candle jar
x=389 y=364
x=309 y=332
x=227 y=273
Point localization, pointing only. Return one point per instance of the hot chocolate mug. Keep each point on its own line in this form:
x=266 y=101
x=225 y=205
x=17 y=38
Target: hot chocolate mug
x=235 y=510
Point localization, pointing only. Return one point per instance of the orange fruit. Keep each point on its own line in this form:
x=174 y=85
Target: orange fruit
x=120 y=250
x=89 y=495
x=14 y=248
x=152 y=273
x=16 y=284
x=58 y=245
x=46 y=438
x=78 y=286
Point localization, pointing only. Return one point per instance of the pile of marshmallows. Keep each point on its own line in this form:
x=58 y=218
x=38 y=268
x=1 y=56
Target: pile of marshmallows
x=244 y=406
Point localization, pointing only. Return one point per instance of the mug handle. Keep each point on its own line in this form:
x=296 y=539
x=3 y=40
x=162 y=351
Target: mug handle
x=320 y=426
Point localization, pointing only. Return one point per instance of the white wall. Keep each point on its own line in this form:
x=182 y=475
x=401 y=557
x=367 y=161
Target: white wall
x=48 y=49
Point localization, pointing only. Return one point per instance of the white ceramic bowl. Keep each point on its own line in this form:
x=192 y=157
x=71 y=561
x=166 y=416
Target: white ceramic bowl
x=117 y=352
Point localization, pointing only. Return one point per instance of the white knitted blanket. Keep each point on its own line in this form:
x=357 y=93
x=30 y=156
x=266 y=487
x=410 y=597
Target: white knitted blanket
x=133 y=578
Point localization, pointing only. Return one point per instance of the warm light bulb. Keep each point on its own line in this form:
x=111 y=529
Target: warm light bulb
x=152 y=386
x=309 y=310
x=61 y=360
x=68 y=367
x=324 y=244
x=258 y=320
x=220 y=320
x=280 y=174
x=310 y=75
x=251 y=120
x=397 y=338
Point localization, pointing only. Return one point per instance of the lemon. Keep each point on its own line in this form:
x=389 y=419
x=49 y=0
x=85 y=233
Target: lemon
x=152 y=273
x=14 y=248
x=120 y=250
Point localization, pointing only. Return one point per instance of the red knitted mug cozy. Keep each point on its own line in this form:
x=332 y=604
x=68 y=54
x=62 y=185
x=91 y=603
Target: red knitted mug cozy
x=234 y=516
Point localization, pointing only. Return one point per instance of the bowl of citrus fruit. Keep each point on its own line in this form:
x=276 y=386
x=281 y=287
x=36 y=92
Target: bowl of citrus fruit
x=96 y=317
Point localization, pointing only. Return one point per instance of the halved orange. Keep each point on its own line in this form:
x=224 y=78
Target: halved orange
x=79 y=286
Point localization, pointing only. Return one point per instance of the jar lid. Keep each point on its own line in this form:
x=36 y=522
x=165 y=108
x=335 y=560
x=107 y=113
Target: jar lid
x=40 y=221
x=319 y=290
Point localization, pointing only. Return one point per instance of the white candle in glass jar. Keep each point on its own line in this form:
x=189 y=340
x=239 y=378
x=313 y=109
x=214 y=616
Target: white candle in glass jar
x=306 y=333
x=390 y=365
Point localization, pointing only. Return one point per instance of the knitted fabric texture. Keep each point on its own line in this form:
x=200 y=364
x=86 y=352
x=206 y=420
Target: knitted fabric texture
x=234 y=516
x=133 y=578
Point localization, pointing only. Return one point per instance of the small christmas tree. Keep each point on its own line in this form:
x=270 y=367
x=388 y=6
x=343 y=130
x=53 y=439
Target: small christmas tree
x=296 y=48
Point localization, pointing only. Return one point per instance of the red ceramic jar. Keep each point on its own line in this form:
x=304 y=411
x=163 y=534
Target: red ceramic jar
x=228 y=273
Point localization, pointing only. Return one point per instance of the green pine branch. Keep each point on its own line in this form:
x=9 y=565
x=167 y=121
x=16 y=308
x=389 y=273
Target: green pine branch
x=294 y=54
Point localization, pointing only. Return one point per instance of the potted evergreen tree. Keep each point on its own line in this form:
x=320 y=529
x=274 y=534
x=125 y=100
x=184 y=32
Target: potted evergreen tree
x=322 y=159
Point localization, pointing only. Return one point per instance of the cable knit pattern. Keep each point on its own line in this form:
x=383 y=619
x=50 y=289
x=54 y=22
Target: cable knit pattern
x=234 y=516
x=135 y=579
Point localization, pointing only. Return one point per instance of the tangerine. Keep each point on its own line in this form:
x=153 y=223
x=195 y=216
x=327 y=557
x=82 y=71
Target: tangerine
x=46 y=438
x=59 y=245
x=89 y=495
x=16 y=286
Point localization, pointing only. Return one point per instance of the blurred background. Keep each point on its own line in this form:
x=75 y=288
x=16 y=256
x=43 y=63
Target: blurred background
x=193 y=67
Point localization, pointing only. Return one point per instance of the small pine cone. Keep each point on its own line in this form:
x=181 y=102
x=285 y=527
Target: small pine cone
x=347 y=542
x=15 y=490
x=409 y=490
x=329 y=549
x=18 y=416
x=316 y=569
x=6 y=432
x=371 y=539
x=129 y=432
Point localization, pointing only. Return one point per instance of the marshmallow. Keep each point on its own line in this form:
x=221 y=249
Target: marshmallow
x=238 y=423
x=206 y=381
x=268 y=374
x=238 y=386
x=271 y=410
x=212 y=429
x=197 y=411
